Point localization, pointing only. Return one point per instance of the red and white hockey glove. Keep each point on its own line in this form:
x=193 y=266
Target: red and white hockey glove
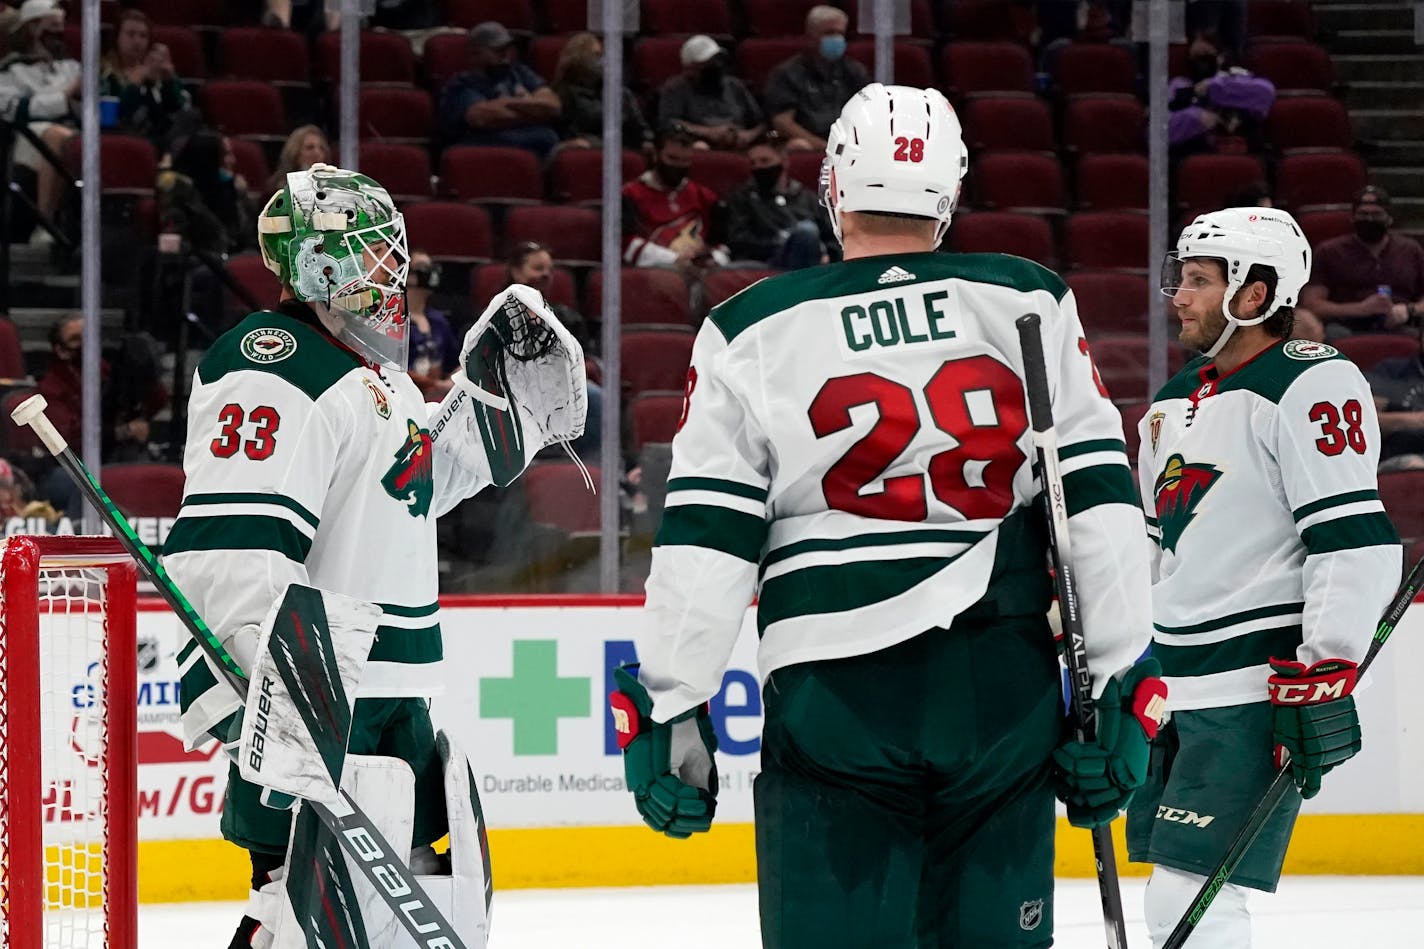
x=1314 y=723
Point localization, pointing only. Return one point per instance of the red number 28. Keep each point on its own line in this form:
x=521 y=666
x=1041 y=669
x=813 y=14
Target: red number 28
x=909 y=149
x=263 y=440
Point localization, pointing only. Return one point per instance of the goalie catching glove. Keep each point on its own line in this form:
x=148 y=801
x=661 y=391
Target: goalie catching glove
x=1096 y=779
x=669 y=766
x=1314 y=724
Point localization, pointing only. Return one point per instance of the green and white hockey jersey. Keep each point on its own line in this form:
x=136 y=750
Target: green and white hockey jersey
x=1270 y=539
x=305 y=464
x=855 y=451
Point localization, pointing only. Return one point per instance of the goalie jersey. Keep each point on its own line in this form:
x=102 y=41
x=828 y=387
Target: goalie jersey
x=306 y=464
x=855 y=451
x=1269 y=536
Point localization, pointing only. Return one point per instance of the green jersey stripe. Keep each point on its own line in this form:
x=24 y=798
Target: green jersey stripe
x=716 y=528
x=1097 y=444
x=838 y=588
x=246 y=497
x=1241 y=652
x=1346 y=533
x=1232 y=619
x=238 y=532
x=894 y=538
x=409 y=646
x=720 y=485
x=1100 y=484
x=390 y=609
x=1349 y=497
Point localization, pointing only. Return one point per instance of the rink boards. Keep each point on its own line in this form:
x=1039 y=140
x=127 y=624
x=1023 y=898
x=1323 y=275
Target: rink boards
x=526 y=684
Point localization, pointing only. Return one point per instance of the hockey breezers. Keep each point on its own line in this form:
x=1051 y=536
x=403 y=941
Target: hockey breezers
x=1283 y=784
x=357 y=835
x=1075 y=649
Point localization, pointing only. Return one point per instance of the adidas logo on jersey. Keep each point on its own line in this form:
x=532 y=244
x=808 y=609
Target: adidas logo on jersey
x=895 y=275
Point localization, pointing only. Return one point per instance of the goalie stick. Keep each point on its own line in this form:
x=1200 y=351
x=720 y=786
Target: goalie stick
x=1075 y=649
x=1283 y=784
x=367 y=848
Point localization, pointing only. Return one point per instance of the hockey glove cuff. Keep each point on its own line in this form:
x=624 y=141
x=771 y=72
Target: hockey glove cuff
x=1313 y=719
x=1096 y=779
x=669 y=766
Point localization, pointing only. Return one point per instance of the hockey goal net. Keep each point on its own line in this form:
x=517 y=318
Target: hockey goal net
x=68 y=768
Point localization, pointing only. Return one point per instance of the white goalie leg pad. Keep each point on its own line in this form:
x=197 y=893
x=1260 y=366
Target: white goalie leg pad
x=1225 y=925
x=464 y=894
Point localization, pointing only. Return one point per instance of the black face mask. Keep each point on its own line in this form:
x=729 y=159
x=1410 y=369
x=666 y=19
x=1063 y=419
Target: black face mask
x=711 y=76
x=671 y=176
x=1371 y=231
x=499 y=71
x=54 y=43
x=766 y=178
x=1202 y=67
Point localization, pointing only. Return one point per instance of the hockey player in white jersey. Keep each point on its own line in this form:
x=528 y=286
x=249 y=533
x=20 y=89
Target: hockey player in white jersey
x=311 y=457
x=1273 y=560
x=855 y=451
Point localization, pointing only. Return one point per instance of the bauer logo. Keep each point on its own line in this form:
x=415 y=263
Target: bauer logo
x=268 y=345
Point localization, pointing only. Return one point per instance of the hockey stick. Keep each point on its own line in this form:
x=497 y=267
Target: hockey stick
x=1075 y=648
x=358 y=836
x=1283 y=784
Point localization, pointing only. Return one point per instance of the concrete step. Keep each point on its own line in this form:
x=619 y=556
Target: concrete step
x=1408 y=213
x=1332 y=17
x=33 y=322
x=1398 y=180
x=1373 y=42
x=1388 y=124
x=1383 y=95
x=1374 y=68
x=1404 y=151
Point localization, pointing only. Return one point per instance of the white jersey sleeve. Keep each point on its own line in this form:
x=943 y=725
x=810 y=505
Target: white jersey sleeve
x=1327 y=446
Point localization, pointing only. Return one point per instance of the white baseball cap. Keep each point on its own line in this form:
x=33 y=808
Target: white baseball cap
x=699 y=49
x=32 y=10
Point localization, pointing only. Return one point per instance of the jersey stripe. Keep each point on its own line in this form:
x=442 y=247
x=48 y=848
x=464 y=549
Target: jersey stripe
x=1100 y=484
x=1232 y=619
x=1346 y=533
x=1096 y=444
x=715 y=528
x=238 y=532
x=894 y=538
x=390 y=609
x=1349 y=497
x=410 y=646
x=720 y=485
x=839 y=588
x=1238 y=652
x=252 y=497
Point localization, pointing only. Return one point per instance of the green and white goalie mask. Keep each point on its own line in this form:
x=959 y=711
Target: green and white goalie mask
x=336 y=238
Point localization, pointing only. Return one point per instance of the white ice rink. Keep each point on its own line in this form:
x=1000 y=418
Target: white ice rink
x=1325 y=912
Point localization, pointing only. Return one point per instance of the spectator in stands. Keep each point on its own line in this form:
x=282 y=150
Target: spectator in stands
x=139 y=73
x=1225 y=19
x=1216 y=107
x=498 y=101
x=1368 y=281
x=772 y=218
x=715 y=108
x=804 y=95
x=306 y=146
x=667 y=217
x=40 y=88
x=578 y=82
x=1398 y=387
x=201 y=197
x=304 y=16
x=434 y=351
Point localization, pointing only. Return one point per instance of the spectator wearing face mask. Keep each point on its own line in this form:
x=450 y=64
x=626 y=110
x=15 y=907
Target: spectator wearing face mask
x=434 y=352
x=715 y=108
x=578 y=82
x=1216 y=106
x=805 y=94
x=40 y=88
x=498 y=101
x=668 y=218
x=1368 y=281
x=772 y=218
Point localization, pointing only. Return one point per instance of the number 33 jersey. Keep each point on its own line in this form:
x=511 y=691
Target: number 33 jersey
x=1270 y=539
x=855 y=452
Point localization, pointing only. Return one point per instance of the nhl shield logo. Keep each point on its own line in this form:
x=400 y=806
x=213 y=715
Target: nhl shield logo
x=1030 y=915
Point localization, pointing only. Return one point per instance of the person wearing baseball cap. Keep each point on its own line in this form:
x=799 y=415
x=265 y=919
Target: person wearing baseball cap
x=715 y=108
x=1370 y=280
x=499 y=101
x=40 y=87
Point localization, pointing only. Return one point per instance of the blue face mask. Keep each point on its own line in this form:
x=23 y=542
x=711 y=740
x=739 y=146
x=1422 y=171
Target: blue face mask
x=833 y=46
x=225 y=175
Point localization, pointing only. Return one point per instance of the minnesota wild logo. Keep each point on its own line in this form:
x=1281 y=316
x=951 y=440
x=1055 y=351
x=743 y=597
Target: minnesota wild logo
x=411 y=479
x=1179 y=489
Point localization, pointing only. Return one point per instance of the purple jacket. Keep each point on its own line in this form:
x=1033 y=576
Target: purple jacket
x=1234 y=89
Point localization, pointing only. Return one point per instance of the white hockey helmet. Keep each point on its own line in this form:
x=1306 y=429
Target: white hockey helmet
x=1242 y=237
x=897 y=149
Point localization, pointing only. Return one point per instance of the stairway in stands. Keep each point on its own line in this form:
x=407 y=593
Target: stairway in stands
x=1382 y=70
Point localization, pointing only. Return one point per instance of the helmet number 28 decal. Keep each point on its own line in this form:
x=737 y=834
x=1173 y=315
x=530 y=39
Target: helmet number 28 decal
x=909 y=149
x=977 y=401
x=260 y=446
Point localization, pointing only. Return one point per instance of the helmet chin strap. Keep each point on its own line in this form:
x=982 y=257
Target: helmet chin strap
x=1232 y=321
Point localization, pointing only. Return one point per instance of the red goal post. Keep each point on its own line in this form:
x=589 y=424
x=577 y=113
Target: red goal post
x=68 y=761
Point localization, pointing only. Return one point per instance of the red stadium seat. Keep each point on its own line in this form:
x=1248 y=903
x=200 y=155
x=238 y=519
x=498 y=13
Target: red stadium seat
x=777 y=17
x=19 y=441
x=655 y=417
x=250 y=52
x=576 y=174
x=721 y=285
x=1402 y=493
x=1112 y=182
x=1105 y=123
x=756 y=58
x=1107 y=239
x=488 y=279
x=443 y=56
x=1309 y=122
x=249 y=272
x=1007 y=122
x=12 y=357
x=711 y=17
x=656 y=59
x=396 y=114
x=1325 y=178
x=492 y=175
x=449 y=230
x=805 y=167
x=723 y=172
x=1292 y=66
x=1320 y=226
x=128 y=164
x=1132 y=413
x=244 y=107
x=517 y=16
x=1003 y=232
x=385 y=57
x=557 y=497
x=184 y=47
x=252 y=165
x=1208 y=181
x=183 y=12
x=990 y=20
x=144 y=490
x=1022 y=181
x=911 y=61
x=74 y=39
x=1110 y=301
x=1367 y=350
x=565 y=16
x=544 y=54
x=969 y=68
x=1094 y=67
x=404 y=170
x=575 y=235
x=655 y=359
x=1280 y=18
x=650 y=295
x=1122 y=365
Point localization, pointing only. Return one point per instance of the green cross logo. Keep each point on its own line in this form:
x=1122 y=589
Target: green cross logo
x=535 y=697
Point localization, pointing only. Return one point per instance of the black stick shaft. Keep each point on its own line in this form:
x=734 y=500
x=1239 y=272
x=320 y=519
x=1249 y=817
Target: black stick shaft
x=1075 y=649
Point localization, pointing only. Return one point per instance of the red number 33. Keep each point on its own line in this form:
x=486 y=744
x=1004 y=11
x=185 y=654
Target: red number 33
x=909 y=149
x=263 y=441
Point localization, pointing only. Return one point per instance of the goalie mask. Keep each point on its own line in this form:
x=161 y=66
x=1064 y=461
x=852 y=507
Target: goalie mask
x=1239 y=238
x=336 y=238
x=895 y=149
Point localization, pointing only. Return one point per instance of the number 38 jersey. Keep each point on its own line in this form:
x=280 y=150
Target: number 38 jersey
x=855 y=451
x=1270 y=539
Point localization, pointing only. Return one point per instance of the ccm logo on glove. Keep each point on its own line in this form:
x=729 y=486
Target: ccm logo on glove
x=1328 y=679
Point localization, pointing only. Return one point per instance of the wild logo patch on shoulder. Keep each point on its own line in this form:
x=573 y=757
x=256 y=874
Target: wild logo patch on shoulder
x=268 y=344
x=1305 y=349
x=383 y=405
